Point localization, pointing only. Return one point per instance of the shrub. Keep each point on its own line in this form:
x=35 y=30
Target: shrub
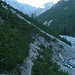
x=54 y=40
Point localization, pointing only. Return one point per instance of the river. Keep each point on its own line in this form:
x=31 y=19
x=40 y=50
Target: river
x=70 y=39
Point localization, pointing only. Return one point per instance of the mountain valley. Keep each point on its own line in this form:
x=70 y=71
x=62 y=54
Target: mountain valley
x=29 y=48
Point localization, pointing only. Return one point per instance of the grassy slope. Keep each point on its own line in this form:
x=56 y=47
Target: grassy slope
x=15 y=37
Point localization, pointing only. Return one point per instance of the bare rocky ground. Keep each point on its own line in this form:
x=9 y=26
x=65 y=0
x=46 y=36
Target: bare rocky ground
x=26 y=67
x=61 y=54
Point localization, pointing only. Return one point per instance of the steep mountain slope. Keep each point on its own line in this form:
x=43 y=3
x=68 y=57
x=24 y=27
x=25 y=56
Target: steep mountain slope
x=25 y=8
x=61 y=17
x=27 y=48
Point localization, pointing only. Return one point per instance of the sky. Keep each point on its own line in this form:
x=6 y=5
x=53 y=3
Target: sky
x=36 y=3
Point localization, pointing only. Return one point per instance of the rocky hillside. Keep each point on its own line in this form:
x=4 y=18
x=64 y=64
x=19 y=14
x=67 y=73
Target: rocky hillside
x=61 y=17
x=29 y=48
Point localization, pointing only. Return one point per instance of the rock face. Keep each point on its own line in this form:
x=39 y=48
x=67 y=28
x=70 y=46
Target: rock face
x=45 y=7
x=26 y=67
x=25 y=8
x=28 y=9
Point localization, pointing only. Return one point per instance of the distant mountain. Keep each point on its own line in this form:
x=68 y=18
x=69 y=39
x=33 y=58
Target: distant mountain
x=28 y=9
x=25 y=8
x=61 y=17
x=44 y=8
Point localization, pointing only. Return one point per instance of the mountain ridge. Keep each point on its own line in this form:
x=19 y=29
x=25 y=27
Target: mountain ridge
x=23 y=7
x=62 y=16
x=45 y=7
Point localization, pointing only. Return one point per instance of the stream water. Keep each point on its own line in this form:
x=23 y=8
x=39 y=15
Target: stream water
x=70 y=39
x=71 y=62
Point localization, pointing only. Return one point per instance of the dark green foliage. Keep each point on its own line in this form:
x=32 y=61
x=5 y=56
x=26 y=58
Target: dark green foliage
x=14 y=44
x=44 y=65
x=61 y=46
x=15 y=38
x=46 y=29
x=54 y=40
x=63 y=16
x=47 y=38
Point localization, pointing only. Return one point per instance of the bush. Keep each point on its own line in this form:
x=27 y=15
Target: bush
x=61 y=46
x=54 y=40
